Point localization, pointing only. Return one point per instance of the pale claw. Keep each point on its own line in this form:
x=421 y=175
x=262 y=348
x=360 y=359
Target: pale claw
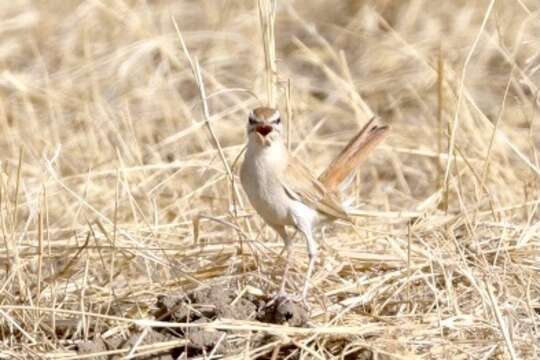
x=306 y=302
x=283 y=297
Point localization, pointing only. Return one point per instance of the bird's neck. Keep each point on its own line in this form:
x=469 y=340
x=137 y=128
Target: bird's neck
x=272 y=153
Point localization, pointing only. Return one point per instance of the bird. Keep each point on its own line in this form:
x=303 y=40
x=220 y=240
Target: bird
x=285 y=193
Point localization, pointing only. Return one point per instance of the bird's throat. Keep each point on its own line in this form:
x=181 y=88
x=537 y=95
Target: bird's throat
x=263 y=140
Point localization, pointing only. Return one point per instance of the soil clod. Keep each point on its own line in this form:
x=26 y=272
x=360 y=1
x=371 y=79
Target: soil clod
x=101 y=345
x=201 y=307
x=284 y=311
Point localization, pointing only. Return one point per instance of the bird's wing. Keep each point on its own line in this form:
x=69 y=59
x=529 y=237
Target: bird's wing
x=300 y=185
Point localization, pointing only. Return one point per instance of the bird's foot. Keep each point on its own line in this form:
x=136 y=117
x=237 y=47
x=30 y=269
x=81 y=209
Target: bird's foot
x=306 y=302
x=284 y=297
x=281 y=297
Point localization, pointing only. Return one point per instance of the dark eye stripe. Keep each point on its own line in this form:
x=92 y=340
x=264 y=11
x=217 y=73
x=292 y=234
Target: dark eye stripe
x=277 y=121
x=252 y=121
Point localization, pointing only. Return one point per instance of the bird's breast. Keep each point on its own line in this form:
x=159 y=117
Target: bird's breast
x=260 y=180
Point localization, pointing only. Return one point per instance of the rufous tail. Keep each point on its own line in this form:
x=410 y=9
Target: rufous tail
x=353 y=154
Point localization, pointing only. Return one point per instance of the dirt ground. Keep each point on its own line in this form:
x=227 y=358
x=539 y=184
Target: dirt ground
x=201 y=307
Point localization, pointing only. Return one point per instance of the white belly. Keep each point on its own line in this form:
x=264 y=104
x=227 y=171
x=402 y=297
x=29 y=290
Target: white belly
x=266 y=194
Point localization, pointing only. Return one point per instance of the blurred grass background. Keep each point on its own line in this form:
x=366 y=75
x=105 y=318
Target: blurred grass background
x=105 y=161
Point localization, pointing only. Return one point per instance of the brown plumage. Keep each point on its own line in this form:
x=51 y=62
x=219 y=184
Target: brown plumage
x=302 y=186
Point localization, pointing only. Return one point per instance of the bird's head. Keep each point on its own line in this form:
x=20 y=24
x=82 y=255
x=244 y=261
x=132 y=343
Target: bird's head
x=264 y=125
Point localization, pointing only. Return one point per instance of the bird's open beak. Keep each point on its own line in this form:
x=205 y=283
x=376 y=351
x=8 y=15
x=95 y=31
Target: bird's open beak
x=264 y=129
x=261 y=131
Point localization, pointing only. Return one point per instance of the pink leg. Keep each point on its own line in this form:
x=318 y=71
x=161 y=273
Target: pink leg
x=286 y=270
x=286 y=248
x=312 y=253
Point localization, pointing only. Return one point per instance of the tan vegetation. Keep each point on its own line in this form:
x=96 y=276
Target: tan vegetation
x=113 y=191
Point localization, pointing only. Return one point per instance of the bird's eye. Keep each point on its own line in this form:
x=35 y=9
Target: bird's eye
x=252 y=121
x=277 y=121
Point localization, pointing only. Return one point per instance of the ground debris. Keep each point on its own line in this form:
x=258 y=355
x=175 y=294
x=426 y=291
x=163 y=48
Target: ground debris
x=283 y=311
x=101 y=345
x=222 y=302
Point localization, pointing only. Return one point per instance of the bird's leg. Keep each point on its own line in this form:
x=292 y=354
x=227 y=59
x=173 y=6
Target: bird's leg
x=286 y=248
x=312 y=253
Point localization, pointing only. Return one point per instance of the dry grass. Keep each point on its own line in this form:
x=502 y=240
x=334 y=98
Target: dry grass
x=112 y=189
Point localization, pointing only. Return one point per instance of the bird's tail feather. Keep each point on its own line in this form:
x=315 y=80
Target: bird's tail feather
x=353 y=154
